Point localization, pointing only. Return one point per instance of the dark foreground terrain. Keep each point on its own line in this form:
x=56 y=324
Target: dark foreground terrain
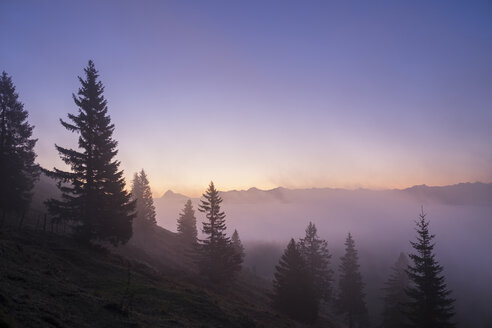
x=48 y=280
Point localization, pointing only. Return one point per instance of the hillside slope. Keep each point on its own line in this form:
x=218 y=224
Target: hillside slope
x=47 y=280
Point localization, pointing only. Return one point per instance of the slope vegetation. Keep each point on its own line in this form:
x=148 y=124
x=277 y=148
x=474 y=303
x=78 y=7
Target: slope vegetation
x=48 y=280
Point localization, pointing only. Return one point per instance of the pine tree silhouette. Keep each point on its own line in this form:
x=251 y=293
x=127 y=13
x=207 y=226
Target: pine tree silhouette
x=18 y=172
x=351 y=295
x=395 y=298
x=238 y=245
x=141 y=192
x=93 y=192
x=430 y=304
x=317 y=257
x=293 y=289
x=187 y=224
x=217 y=258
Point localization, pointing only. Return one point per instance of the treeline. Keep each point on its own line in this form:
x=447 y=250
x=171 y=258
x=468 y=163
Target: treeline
x=415 y=294
x=216 y=256
x=18 y=170
x=94 y=200
x=95 y=204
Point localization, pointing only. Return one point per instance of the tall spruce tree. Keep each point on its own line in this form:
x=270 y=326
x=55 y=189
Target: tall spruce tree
x=395 y=298
x=351 y=288
x=93 y=192
x=142 y=194
x=317 y=257
x=293 y=289
x=187 y=224
x=238 y=245
x=218 y=260
x=18 y=172
x=430 y=304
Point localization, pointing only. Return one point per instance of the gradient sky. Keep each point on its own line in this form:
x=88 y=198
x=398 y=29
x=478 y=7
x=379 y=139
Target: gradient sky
x=375 y=94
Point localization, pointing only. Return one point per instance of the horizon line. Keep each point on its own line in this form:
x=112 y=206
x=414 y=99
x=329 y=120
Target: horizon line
x=323 y=188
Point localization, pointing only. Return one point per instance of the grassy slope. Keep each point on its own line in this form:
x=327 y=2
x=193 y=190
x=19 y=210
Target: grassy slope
x=48 y=280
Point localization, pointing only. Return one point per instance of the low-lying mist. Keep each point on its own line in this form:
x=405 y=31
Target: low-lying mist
x=382 y=224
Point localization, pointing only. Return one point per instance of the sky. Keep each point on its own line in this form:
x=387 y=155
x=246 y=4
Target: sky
x=299 y=94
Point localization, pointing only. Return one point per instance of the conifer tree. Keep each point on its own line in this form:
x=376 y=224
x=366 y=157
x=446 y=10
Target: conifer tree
x=317 y=257
x=93 y=191
x=238 y=245
x=136 y=191
x=293 y=288
x=430 y=304
x=18 y=172
x=218 y=260
x=187 y=224
x=351 y=295
x=141 y=192
x=395 y=298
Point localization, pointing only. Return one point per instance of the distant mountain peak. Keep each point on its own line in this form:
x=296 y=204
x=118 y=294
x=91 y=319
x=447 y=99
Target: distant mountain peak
x=169 y=193
x=172 y=195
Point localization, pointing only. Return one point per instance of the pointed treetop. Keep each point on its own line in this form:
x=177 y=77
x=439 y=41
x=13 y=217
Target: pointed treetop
x=293 y=288
x=351 y=295
x=187 y=224
x=317 y=258
x=238 y=245
x=430 y=304
x=18 y=171
x=94 y=194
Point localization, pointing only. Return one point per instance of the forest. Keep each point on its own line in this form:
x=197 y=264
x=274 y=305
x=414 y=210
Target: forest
x=88 y=234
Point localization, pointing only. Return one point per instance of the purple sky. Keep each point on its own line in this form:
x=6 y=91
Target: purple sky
x=374 y=94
